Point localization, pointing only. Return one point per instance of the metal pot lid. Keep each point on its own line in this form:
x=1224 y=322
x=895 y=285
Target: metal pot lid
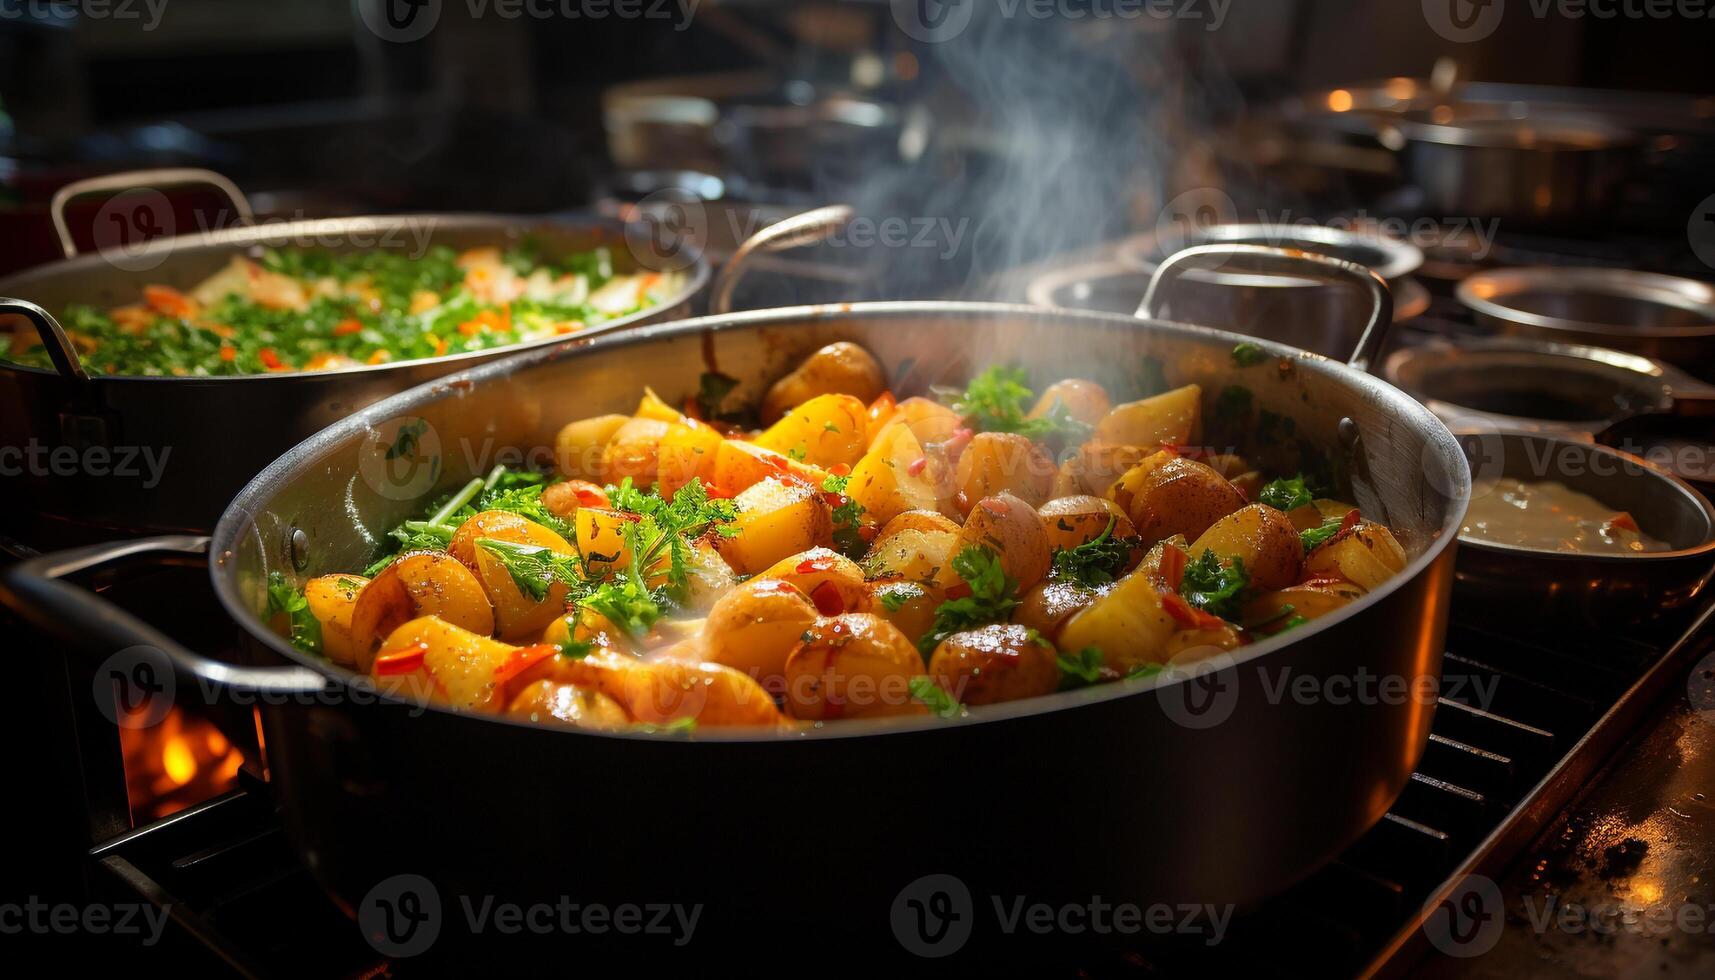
x=1616 y=302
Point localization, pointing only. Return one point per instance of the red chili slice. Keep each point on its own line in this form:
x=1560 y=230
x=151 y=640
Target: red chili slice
x=522 y=659
x=917 y=465
x=1189 y=616
x=391 y=663
x=822 y=563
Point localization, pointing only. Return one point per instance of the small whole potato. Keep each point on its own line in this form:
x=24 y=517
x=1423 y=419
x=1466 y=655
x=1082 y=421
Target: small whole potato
x=917 y=520
x=1046 y=606
x=1016 y=534
x=755 y=626
x=908 y=605
x=1181 y=496
x=579 y=447
x=1263 y=538
x=563 y=499
x=912 y=555
x=1095 y=467
x=419 y=584
x=1085 y=401
x=1172 y=417
x=570 y=704
x=841 y=368
x=995 y=663
x=1003 y=461
x=1073 y=521
x=833 y=582
x=853 y=666
x=635 y=452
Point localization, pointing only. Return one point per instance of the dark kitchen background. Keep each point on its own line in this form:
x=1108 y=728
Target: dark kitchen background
x=1010 y=144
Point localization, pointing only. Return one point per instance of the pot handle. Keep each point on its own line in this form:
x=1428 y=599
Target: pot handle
x=37 y=591
x=1287 y=261
x=60 y=349
x=142 y=179
x=808 y=228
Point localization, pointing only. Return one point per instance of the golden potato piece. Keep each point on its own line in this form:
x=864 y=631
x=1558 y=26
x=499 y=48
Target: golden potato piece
x=1078 y=520
x=897 y=475
x=579 y=447
x=1086 y=401
x=840 y=368
x=1309 y=601
x=833 y=582
x=1129 y=625
x=517 y=615
x=853 y=666
x=1263 y=538
x=1048 y=605
x=332 y=599
x=741 y=465
x=755 y=626
x=995 y=663
x=1181 y=496
x=686 y=453
x=997 y=462
x=826 y=431
x=1170 y=418
x=776 y=519
x=912 y=555
x=635 y=452
x=570 y=704
x=466 y=669
x=1366 y=556
x=417 y=584
x=908 y=605
x=1016 y=534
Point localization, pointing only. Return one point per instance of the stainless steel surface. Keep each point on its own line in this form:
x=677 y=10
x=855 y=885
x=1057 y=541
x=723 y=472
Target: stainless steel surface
x=208 y=435
x=1405 y=469
x=1605 y=591
x=797 y=231
x=1647 y=313
x=1256 y=260
x=1387 y=257
x=141 y=179
x=1535 y=386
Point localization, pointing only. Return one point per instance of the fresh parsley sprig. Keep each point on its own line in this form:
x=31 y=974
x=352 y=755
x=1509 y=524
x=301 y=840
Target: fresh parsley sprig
x=1214 y=587
x=992 y=597
x=998 y=400
x=941 y=703
x=1287 y=494
x=535 y=569
x=285 y=598
x=1094 y=563
x=847 y=516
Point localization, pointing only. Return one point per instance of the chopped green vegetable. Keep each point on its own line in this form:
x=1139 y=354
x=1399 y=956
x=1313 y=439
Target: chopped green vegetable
x=998 y=399
x=713 y=388
x=1213 y=587
x=1317 y=535
x=847 y=516
x=1246 y=354
x=894 y=597
x=925 y=690
x=1143 y=670
x=285 y=598
x=1095 y=562
x=1286 y=494
x=992 y=598
x=1080 y=669
x=535 y=569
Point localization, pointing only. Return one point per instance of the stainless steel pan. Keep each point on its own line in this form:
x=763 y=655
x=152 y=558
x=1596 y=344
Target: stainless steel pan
x=1217 y=785
x=162 y=453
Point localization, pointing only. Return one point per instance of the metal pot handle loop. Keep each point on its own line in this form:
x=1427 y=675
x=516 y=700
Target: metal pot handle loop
x=54 y=338
x=37 y=591
x=141 y=179
x=1264 y=260
x=808 y=228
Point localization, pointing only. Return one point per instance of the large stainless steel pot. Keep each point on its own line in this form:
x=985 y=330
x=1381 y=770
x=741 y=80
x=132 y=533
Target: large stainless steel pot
x=1219 y=784
x=163 y=453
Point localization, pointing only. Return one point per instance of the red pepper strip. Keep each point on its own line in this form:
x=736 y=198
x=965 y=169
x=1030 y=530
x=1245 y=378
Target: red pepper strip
x=827 y=599
x=347 y=327
x=1189 y=616
x=840 y=469
x=958 y=590
x=917 y=465
x=391 y=663
x=1173 y=566
x=1624 y=521
x=825 y=563
x=955 y=446
x=270 y=360
x=714 y=492
x=1351 y=521
x=522 y=659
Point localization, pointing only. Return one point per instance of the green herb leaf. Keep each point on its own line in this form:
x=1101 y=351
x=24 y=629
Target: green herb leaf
x=285 y=598
x=925 y=690
x=992 y=598
x=535 y=569
x=1247 y=353
x=998 y=399
x=848 y=517
x=1095 y=562
x=1315 y=536
x=894 y=597
x=712 y=389
x=1144 y=670
x=1286 y=494
x=1080 y=669
x=1214 y=587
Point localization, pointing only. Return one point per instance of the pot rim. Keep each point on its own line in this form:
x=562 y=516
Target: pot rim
x=698 y=274
x=1642 y=287
x=238 y=516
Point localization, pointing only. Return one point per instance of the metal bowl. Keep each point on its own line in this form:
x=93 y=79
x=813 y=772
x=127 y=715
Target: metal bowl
x=1532 y=386
x=1386 y=257
x=1642 y=312
x=1528 y=584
